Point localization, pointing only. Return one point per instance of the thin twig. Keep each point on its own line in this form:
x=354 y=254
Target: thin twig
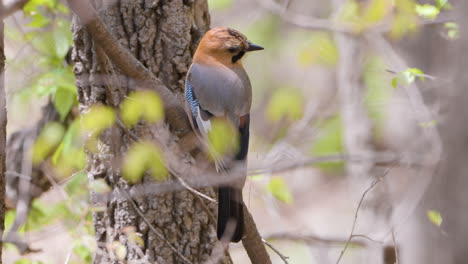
x=283 y=257
x=156 y=232
x=311 y=239
x=368 y=238
x=327 y=24
x=430 y=77
x=173 y=172
x=357 y=211
x=192 y=190
x=377 y=158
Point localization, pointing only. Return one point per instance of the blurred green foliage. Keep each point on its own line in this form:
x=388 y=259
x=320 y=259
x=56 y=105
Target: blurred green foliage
x=223 y=139
x=49 y=138
x=141 y=105
x=50 y=38
x=277 y=186
x=98 y=118
x=378 y=92
x=435 y=217
x=286 y=103
x=219 y=4
x=142 y=157
x=73 y=212
x=329 y=142
x=452 y=30
x=408 y=77
x=318 y=49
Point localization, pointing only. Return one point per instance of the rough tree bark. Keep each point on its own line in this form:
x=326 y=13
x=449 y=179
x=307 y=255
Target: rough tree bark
x=162 y=35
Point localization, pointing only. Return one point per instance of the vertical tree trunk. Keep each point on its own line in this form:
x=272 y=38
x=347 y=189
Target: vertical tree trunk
x=448 y=192
x=163 y=35
x=3 y=123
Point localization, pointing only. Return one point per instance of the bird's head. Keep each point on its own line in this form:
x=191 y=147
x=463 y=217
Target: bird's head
x=224 y=45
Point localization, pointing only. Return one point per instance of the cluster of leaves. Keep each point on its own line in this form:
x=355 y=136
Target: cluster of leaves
x=142 y=156
x=72 y=212
x=59 y=144
x=49 y=37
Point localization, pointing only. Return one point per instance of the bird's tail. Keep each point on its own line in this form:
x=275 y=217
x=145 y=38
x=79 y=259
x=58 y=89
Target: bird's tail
x=230 y=214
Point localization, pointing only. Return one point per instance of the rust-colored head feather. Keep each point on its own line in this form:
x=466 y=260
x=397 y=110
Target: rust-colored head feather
x=223 y=46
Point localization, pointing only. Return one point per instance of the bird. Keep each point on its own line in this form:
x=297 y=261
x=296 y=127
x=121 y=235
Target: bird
x=217 y=86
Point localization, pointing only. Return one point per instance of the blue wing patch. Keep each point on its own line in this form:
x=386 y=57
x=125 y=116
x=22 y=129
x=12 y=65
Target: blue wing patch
x=191 y=99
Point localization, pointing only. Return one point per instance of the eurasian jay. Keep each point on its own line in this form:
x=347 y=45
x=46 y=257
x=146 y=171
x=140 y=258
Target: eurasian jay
x=217 y=86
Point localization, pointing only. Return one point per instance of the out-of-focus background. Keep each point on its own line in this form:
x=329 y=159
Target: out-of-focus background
x=345 y=153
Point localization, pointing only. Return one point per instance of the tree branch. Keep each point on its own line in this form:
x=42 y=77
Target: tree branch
x=351 y=235
x=330 y=25
x=253 y=242
x=129 y=65
x=13 y=7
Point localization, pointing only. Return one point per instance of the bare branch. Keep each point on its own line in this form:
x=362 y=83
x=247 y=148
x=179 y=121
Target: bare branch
x=303 y=21
x=13 y=7
x=383 y=159
x=326 y=24
x=283 y=257
x=311 y=239
x=351 y=235
x=253 y=242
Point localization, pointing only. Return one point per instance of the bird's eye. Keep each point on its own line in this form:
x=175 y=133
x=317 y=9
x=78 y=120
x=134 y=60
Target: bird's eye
x=233 y=49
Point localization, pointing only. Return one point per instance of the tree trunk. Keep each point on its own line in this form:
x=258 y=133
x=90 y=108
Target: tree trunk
x=3 y=123
x=163 y=35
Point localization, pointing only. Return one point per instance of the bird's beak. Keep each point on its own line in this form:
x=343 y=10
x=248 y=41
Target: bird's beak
x=253 y=47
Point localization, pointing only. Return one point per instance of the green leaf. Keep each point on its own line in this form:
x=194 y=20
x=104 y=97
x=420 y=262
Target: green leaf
x=378 y=93
x=395 y=82
x=403 y=24
x=329 y=142
x=408 y=77
x=38 y=21
x=141 y=157
x=219 y=4
x=319 y=49
x=222 y=138
x=434 y=217
x=376 y=11
x=62 y=38
x=427 y=11
x=442 y=4
x=144 y=105
x=76 y=183
x=48 y=140
x=428 y=124
x=285 y=103
x=279 y=189
x=453 y=31
x=63 y=102
x=98 y=118
x=44 y=43
x=83 y=253
x=32 y=6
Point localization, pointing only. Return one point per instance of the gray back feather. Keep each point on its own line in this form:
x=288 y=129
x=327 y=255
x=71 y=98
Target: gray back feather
x=222 y=91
